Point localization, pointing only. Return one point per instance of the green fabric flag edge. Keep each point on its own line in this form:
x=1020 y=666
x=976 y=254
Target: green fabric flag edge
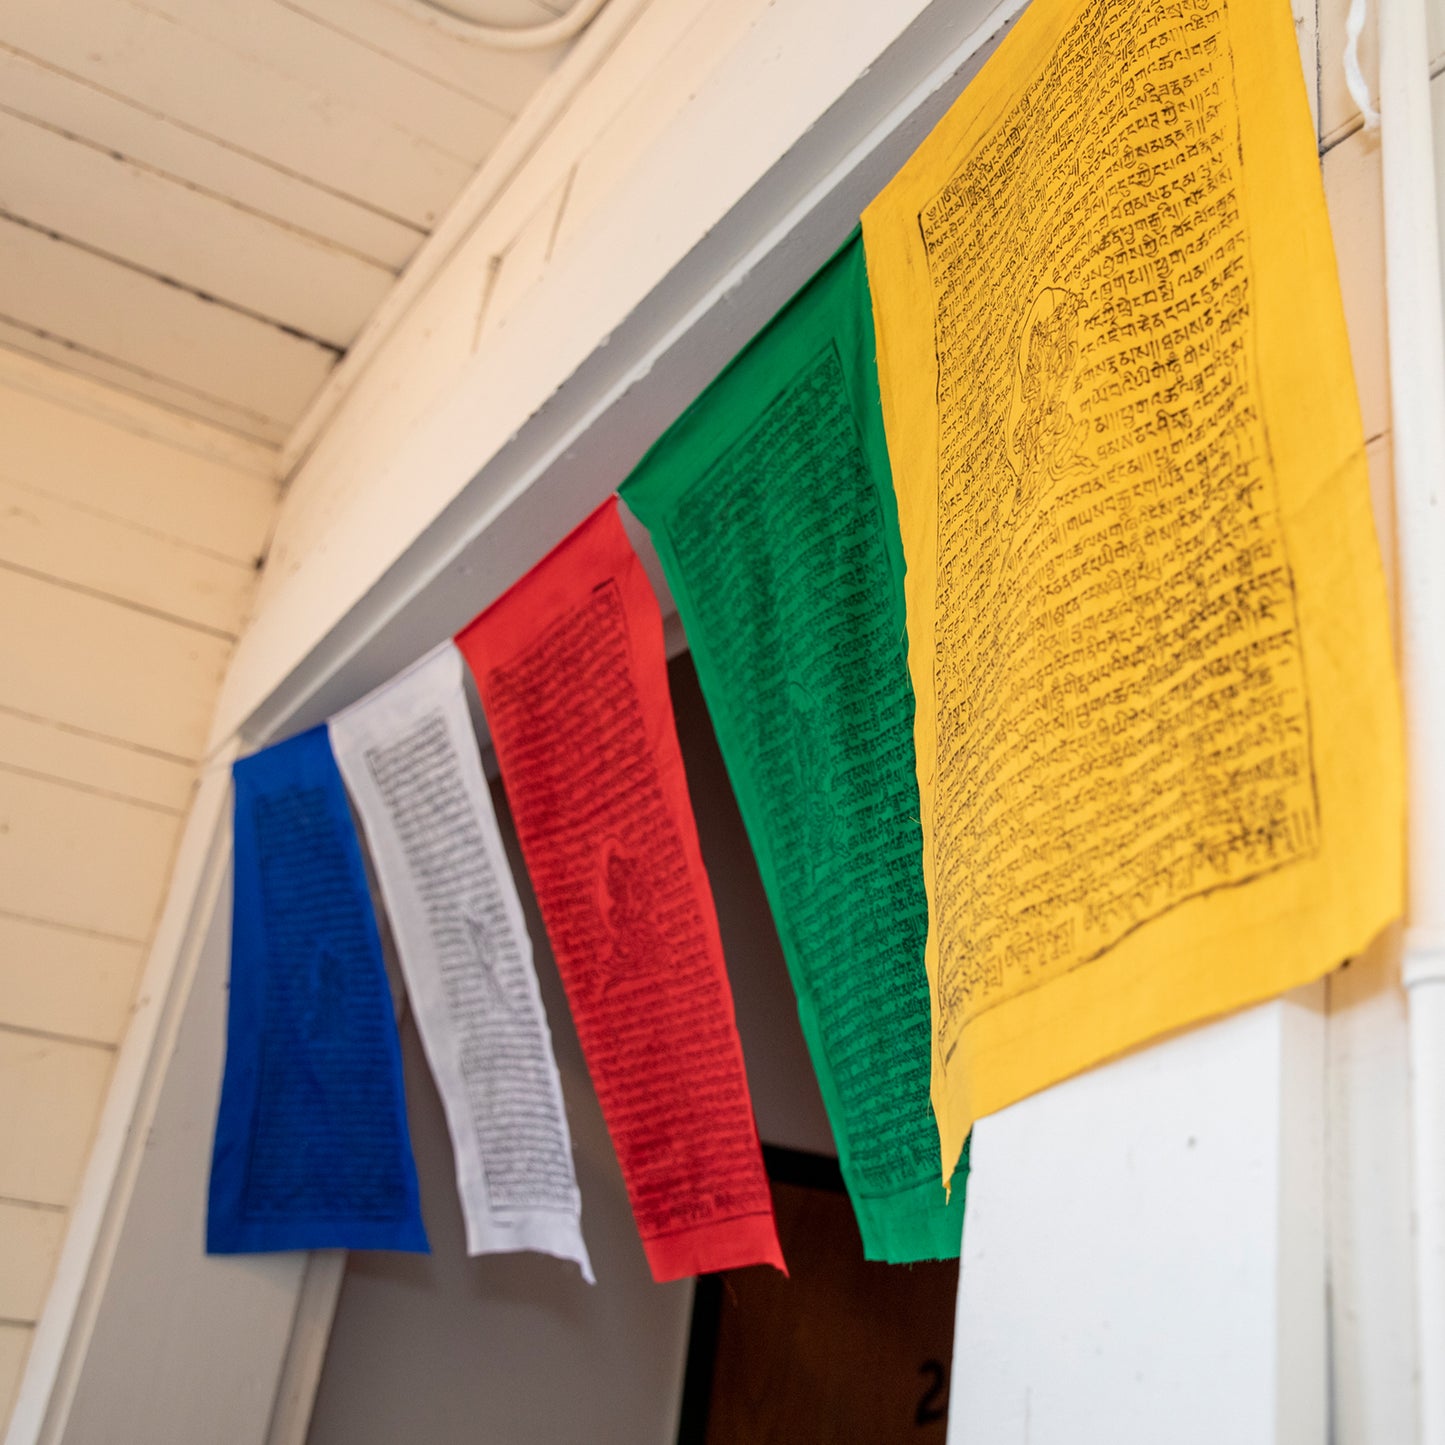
x=912 y=1222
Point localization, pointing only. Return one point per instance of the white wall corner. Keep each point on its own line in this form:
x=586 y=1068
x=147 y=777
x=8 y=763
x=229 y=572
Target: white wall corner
x=1143 y=1256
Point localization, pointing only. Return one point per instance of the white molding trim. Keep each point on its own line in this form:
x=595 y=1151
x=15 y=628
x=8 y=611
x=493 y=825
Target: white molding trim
x=306 y=1349
x=1417 y=398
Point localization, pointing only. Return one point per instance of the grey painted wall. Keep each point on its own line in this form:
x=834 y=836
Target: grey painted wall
x=516 y=1350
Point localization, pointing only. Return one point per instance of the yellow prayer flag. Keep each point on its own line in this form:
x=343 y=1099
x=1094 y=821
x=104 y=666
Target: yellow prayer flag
x=1158 y=735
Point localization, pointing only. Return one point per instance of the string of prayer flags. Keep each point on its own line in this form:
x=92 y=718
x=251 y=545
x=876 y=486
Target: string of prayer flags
x=771 y=505
x=311 y=1147
x=573 y=678
x=1157 y=730
x=409 y=758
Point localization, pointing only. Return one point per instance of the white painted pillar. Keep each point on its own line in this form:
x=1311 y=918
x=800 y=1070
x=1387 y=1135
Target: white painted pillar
x=1144 y=1248
x=1417 y=397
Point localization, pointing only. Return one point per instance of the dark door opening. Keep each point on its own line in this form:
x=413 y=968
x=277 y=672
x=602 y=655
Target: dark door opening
x=842 y=1352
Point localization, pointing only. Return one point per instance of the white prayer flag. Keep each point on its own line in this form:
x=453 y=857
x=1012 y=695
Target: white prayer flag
x=409 y=758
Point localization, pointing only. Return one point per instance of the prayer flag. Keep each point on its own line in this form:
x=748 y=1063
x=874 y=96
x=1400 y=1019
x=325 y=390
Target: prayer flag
x=771 y=505
x=573 y=679
x=1158 y=738
x=311 y=1148
x=410 y=761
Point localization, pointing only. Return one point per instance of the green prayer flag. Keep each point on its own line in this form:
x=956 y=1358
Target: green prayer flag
x=771 y=505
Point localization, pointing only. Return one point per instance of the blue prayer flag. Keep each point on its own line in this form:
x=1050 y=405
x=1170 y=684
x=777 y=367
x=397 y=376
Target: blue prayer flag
x=312 y=1149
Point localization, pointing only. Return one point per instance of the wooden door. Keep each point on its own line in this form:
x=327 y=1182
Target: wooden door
x=841 y=1352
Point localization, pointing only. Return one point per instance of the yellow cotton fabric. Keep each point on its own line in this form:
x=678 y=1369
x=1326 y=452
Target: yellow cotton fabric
x=1158 y=739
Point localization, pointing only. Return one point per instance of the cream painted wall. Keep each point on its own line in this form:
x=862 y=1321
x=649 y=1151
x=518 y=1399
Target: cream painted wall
x=375 y=471
x=129 y=542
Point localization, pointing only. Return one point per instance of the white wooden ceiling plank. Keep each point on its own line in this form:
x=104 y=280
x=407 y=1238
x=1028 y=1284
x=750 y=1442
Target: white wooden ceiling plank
x=501 y=78
x=62 y=290
x=337 y=142
x=82 y=859
x=128 y=676
x=80 y=108
x=127 y=380
x=293 y=46
x=53 y=1093
x=59 y=442
x=62 y=981
x=66 y=755
x=137 y=216
x=186 y=446
x=30 y=1240
x=43 y=535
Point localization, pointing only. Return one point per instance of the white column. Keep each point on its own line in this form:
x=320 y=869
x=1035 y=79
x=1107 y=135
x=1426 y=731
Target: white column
x=1144 y=1248
x=1417 y=387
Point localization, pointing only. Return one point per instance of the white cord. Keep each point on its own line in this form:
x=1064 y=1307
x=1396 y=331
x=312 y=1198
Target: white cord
x=501 y=37
x=1354 y=76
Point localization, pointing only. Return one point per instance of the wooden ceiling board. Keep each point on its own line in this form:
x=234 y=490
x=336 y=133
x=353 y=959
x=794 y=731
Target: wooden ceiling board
x=225 y=93
x=206 y=452
x=133 y=130
x=140 y=217
x=505 y=79
x=127 y=316
x=131 y=381
x=83 y=445
x=45 y=537
x=202 y=202
x=130 y=676
x=292 y=45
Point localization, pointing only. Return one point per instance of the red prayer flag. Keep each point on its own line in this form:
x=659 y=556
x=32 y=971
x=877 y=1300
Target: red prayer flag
x=573 y=678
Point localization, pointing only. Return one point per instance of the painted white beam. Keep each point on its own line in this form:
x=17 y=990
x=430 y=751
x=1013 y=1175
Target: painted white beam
x=1417 y=386
x=529 y=438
